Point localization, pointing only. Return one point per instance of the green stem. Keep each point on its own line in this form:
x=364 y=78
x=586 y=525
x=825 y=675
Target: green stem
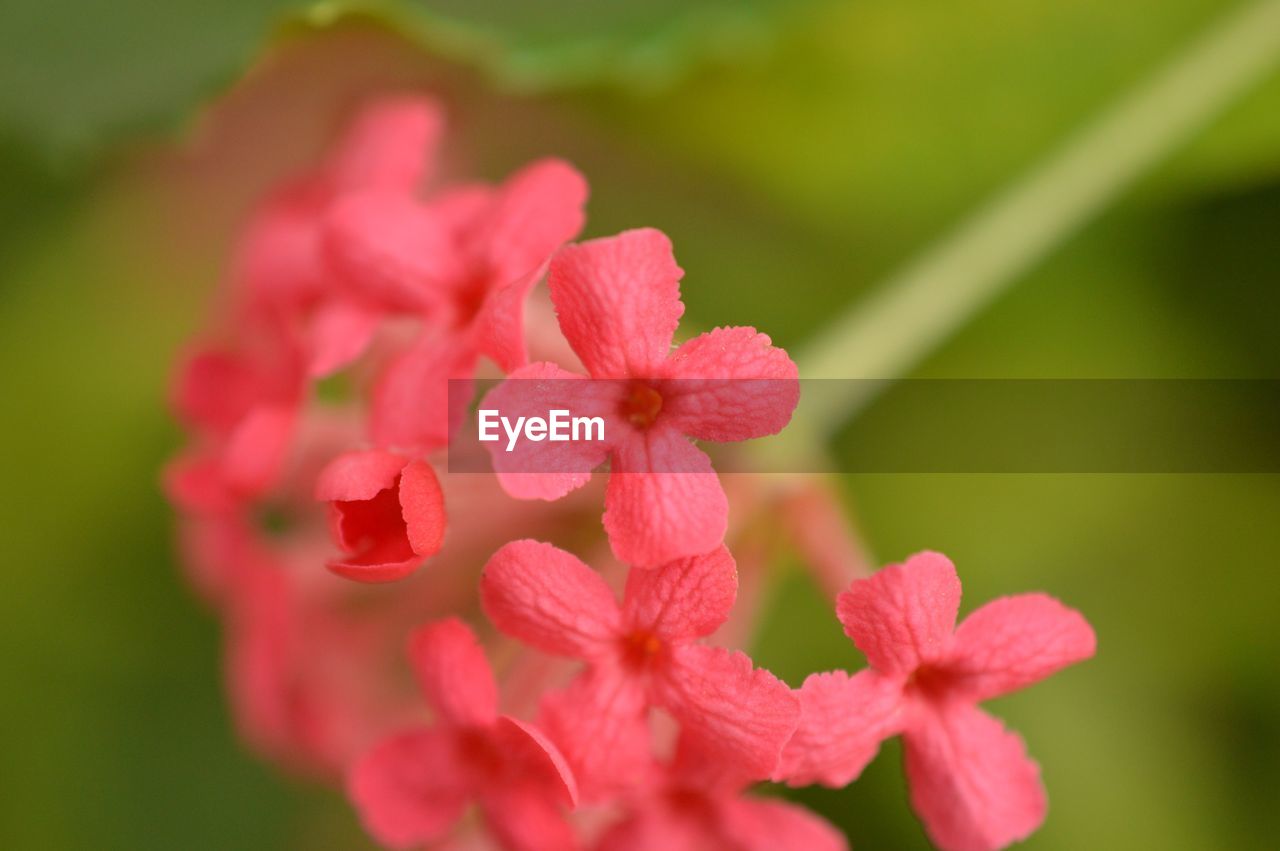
x=911 y=314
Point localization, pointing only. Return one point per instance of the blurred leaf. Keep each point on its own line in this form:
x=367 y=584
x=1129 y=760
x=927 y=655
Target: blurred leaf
x=74 y=76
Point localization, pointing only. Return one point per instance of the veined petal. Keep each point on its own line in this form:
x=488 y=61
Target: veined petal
x=1013 y=642
x=843 y=720
x=545 y=469
x=653 y=518
x=685 y=599
x=730 y=384
x=972 y=783
x=742 y=714
x=903 y=616
x=550 y=600
x=618 y=300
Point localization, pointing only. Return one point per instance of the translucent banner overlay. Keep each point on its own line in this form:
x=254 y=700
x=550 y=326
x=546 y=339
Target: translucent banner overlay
x=574 y=426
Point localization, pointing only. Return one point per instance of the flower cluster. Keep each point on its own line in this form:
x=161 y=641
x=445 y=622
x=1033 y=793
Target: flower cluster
x=367 y=296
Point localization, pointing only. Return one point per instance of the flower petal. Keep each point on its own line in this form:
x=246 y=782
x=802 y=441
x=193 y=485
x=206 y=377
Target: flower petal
x=453 y=673
x=390 y=144
x=903 y=616
x=843 y=719
x=549 y=599
x=1013 y=642
x=742 y=714
x=730 y=384
x=545 y=469
x=255 y=455
x=422 y=507
x=412 y=399
x=685 y=599
x=409 y=789
x=524 y=818
x=357 y=476
x=389 y=250
x=972 y=783
x=340 y=333
x=761 y=824
x=599 y=722
x=537 y=210
x=537 y=759
x=618 y=300
x=653 y=517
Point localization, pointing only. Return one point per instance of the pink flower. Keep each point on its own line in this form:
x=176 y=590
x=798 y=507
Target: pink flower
x=283 y=272
x=386 y=513
x=694 y=805
x=642 y=653
x=971 y=780
x=463 y=262
x=414 y=787
x=618 y=300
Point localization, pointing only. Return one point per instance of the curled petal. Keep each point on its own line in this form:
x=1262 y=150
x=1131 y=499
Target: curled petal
x=903 y=616
x=453 y=673
x=410 y=789
x=387 y=515
x=685 y=599
x=742 y=714
x=972 y=783
x=1013 y=642
x=843 y=719
x=730 y=384
x=536 y=760
x=618 y=300
x=653 y=518
x=549 y=599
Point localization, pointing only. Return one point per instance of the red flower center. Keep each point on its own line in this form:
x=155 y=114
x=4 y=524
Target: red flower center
x=640 y=647
x=642 y=405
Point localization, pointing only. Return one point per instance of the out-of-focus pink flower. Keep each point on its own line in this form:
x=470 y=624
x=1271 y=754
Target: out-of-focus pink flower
x=386 y=513
x=644 y=652
x=413 y=787
x=972 y=782
x=618 y=300
x=463 y=262
x=693 y=804
x=283 y=273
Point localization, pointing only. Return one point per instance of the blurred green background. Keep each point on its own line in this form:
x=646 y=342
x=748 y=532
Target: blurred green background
x=798 y=153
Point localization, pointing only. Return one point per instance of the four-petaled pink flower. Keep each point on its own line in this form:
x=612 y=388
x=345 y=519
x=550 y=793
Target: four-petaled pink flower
x=386 y=513
x=693 y=804
x=618 y=301
x=972 y=783
x=414 y=787
x=642 y=653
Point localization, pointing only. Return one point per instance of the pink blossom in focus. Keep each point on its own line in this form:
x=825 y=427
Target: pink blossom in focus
x=618 y=301
x=972 y=782
x=642 y=653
